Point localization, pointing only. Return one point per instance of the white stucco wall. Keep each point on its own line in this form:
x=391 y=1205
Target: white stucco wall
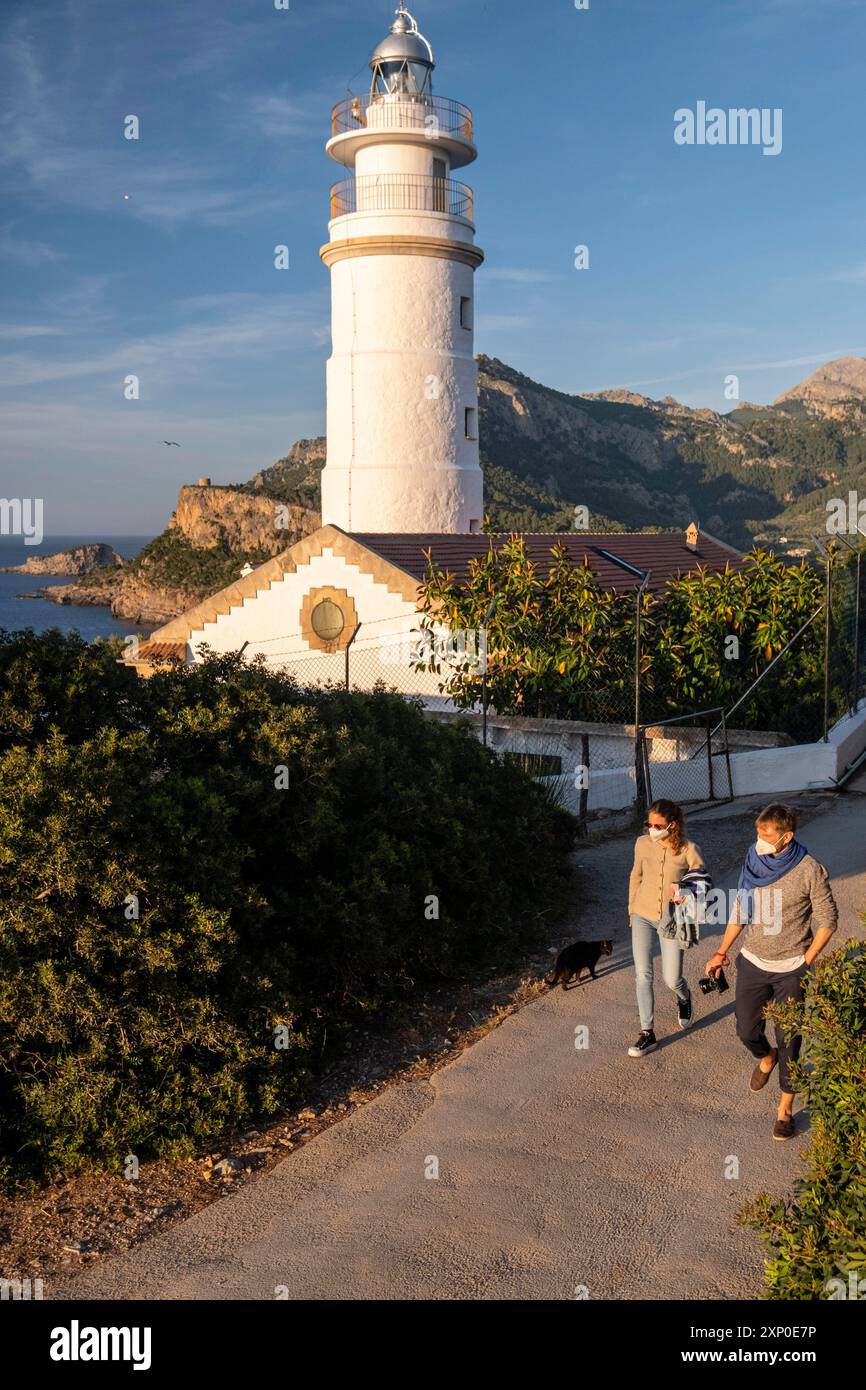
x=270 y=625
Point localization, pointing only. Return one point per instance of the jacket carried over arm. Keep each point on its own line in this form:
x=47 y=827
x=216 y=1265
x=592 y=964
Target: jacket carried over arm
x=656 y=870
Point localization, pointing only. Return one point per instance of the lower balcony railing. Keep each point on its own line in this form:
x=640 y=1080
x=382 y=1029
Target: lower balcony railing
x=401 y=193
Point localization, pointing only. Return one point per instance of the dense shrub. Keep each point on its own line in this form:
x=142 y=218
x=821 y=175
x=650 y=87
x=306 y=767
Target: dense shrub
x=172 y=561
x=821 y=1234
x=137 y=1023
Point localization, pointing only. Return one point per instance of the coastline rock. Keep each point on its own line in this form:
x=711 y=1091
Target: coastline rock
x=78 y=560
x=80 y=595
x=140 y=601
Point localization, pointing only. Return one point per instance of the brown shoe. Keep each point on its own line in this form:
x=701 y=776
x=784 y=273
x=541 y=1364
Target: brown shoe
x=784 y=1129
x=761 y=1077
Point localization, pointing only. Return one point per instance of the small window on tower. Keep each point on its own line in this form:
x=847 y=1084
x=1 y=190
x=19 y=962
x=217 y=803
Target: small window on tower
x=465 y=311
x=469 y=423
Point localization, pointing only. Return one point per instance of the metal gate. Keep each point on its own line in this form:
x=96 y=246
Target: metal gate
x=685 y=759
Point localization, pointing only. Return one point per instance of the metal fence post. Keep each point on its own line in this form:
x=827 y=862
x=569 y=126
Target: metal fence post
x=827 y=620
x=584 y=782
x=348 y=645
x=494 y=602
x=857 y=634
x=639 y=750
x=710 y=754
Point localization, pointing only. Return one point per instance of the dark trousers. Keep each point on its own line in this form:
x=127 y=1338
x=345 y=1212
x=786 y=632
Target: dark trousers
x=756 y=989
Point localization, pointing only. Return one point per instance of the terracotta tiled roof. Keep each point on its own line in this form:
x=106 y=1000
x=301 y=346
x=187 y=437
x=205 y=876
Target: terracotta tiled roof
x=160 y=651
x=665 y=554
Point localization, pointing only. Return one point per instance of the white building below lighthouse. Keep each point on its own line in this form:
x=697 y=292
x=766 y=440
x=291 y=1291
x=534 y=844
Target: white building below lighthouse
x=402 y=387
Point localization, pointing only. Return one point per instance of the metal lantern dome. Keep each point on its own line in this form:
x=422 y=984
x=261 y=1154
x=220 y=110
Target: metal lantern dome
x=403 y=62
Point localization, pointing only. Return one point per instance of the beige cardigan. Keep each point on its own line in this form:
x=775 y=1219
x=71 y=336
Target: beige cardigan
x=655 y=871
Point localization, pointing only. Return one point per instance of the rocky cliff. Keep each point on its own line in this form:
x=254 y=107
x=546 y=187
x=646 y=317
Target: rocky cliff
x=212 y=533
x=836 y=390
x=239 y=521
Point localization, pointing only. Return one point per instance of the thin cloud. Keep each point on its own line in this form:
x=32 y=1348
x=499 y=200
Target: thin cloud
x=812 y=360
x=281 y=116
x=247 y=326
x=29 y=330
x=855 y=276
x=518 y=275
x=23 y=251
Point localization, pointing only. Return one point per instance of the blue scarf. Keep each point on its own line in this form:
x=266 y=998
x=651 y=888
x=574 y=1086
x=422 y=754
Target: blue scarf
x=760 y=870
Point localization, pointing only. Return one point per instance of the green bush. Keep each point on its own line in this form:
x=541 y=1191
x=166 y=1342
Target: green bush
x=170 y=560
x=820 y=1235
x=143 y=1024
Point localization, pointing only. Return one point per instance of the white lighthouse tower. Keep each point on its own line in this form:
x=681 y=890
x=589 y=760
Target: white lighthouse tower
x=402 y=419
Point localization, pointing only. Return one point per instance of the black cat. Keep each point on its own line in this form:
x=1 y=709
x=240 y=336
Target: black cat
x=581 y=955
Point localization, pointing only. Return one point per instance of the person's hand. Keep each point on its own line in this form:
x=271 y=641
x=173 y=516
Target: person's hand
x=717 y=963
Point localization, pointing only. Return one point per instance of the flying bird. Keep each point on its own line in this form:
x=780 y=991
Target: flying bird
x=171 y=441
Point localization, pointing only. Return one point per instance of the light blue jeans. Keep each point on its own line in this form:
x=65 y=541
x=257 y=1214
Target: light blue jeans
x=643 y=935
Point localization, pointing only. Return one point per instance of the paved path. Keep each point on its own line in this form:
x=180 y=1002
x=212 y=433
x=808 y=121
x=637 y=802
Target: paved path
x=557 y=1167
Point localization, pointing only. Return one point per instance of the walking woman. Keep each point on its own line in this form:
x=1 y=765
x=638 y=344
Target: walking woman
x=662 y=857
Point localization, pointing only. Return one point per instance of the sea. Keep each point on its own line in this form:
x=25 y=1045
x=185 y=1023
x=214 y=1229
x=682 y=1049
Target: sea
x=39 y=613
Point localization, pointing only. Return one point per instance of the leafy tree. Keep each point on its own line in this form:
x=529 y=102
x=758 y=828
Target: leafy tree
x=560 y=646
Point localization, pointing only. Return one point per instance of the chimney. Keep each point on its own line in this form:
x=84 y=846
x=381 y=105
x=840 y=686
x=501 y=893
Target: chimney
x=692 y=535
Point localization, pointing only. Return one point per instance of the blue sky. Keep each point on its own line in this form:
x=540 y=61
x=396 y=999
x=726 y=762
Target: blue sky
x=704 y=261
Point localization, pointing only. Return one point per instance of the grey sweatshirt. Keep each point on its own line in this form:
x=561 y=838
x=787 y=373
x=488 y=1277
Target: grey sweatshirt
x=790 y=912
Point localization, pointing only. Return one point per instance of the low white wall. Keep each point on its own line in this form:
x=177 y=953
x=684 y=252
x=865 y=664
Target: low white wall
x=754 y=771
x=805 y=765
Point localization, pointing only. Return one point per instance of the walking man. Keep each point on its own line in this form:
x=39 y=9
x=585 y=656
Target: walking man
x=786 y=908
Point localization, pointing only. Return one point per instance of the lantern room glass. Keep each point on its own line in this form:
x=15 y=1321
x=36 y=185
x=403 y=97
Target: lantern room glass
x=401 y=77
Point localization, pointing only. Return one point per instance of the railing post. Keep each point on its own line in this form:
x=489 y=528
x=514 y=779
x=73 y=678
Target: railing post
x=584 y=783
x=348 y=645
x=710 y=754
x=827 y=605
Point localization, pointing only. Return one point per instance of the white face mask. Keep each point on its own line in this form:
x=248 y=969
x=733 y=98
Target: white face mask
x=658 y=832
x=765 y=847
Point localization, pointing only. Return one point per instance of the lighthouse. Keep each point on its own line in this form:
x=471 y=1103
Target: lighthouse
x=402 y=386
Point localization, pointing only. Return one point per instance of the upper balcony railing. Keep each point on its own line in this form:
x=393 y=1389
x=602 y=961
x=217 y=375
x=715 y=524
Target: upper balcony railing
x=401 y=193
x=400 y=111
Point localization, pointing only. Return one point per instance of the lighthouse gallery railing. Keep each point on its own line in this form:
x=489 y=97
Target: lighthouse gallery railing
x=402 y=112
x=401 y=193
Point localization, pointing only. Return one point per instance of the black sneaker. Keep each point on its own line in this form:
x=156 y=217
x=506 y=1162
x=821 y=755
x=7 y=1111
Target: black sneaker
x=684 y=1012
x=646 y=1043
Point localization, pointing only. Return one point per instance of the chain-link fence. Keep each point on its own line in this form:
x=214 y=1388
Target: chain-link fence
x=686 y=759
x=817 y=678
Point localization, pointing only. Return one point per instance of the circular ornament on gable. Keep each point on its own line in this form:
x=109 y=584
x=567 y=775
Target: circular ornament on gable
x=328 y=619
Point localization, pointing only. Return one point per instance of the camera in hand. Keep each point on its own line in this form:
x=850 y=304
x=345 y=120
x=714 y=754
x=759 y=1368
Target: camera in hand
x=710 y=982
